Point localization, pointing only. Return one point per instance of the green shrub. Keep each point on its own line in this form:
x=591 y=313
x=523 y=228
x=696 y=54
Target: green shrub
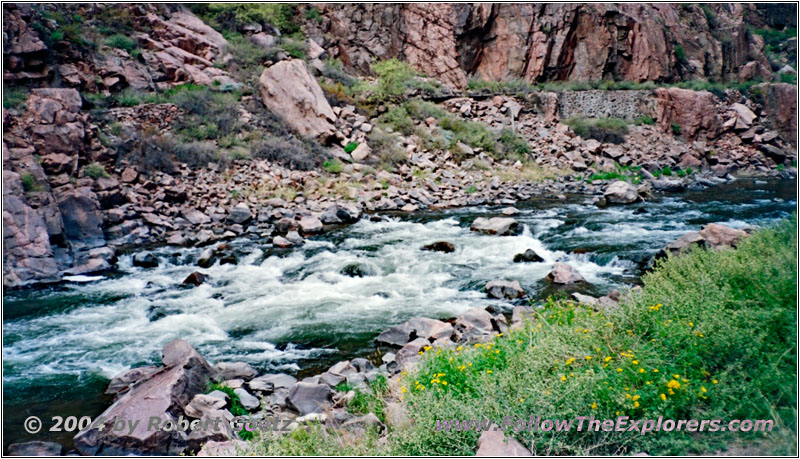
x=513 y=144
x=676 y=128
x=611 y=130
x=28 y=182
x=14 y=97
x=350 y=147
x=233 y=16
x=333 y=166
x=790 y=78
x=680 y=54
x=95 y=170
x=644 y=119
x=398 y=119
x=121 y=42
x=386 y=148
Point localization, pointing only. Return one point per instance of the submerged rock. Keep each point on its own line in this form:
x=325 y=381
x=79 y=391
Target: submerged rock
x=440 y=246
x=196 y=278
x=529 y=256
x=35 y=448
x=145 y=260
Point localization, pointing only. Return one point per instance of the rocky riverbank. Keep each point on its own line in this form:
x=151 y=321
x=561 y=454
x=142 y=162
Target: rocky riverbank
x=186 y=387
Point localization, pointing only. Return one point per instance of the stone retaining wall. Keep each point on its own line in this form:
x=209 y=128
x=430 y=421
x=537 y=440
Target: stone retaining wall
x=603 y=104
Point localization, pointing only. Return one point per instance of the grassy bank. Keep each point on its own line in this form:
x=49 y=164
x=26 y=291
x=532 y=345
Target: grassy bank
x=711 y=335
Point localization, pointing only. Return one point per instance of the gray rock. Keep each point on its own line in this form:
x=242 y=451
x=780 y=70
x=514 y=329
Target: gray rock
x=504 y=290
x=234 y=370
x=621 y=192
x=310 y=225
x=529 y=256
x=240 y=214
x=204 y=403
x=494 y=443
x=564 y=274
x=308 y=398
x=499 y=226
x=273 y=382
x=145 y=260
x=249 y=402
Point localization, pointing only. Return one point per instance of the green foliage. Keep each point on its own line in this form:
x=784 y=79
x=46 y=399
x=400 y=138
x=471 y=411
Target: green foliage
x=398 y=119
x=711 y=335
x=95 y=170
x=121 y=42
x=610 y=130
x=386 y=148
x=234 y=16
x=790 y=78
x=665 y=171
x=14 y=97
x=28 y=182
x=209 y=115
x=620 y=172
x=676 y=128
x=350 y=147
x=513 y=86
x=774 y=37
x=333 y=166
x=513 y=144
x=395 y=77
x=680 y=54
x=236 y=407
x=644 y=119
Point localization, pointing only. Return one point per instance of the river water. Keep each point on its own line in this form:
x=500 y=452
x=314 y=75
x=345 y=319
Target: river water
x=294 y=310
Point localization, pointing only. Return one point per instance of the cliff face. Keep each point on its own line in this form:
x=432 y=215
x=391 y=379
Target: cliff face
x=540 y=42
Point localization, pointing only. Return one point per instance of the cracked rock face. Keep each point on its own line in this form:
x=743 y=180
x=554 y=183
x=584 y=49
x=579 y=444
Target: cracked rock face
x=536 y=42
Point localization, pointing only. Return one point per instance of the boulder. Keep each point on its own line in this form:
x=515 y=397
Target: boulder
x=715 y=235
x=409 y=353
x=475 y=324
x=240 y=214
x=564 y=274
x=621 y=192
x=235 y=370
x=27 y=255
x=248 y=401
x=305 y=398
x=744 y=117
x=361 y=152
x=440 y=246
x=124 y=380
x=145 y=260
x=310 y=225
x=195 y=217
x=500 y=226
x=288 y=88
x=269 y=383
x=494 y=443
x=83 y=221
x=504 y=290
x=341 y=213
x=694 y=111
x=196 y=278
x=206 y=258
x=163 y=396
x=35 y=448
x=416 y=327
x=519 y=315
x=529 y=256
x=202 y=404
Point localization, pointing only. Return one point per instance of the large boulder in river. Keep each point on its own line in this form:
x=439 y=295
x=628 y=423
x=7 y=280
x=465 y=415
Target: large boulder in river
x=288 y=88
x=565 y=274
x=440 y=246
x=145 y=260
x=499 y=226
x=341 y=213
x=621 y=192
x=83 y=221
x=162 y=396
x=504 y=290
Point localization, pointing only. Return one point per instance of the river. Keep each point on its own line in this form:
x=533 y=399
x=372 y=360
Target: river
x=295 y=311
